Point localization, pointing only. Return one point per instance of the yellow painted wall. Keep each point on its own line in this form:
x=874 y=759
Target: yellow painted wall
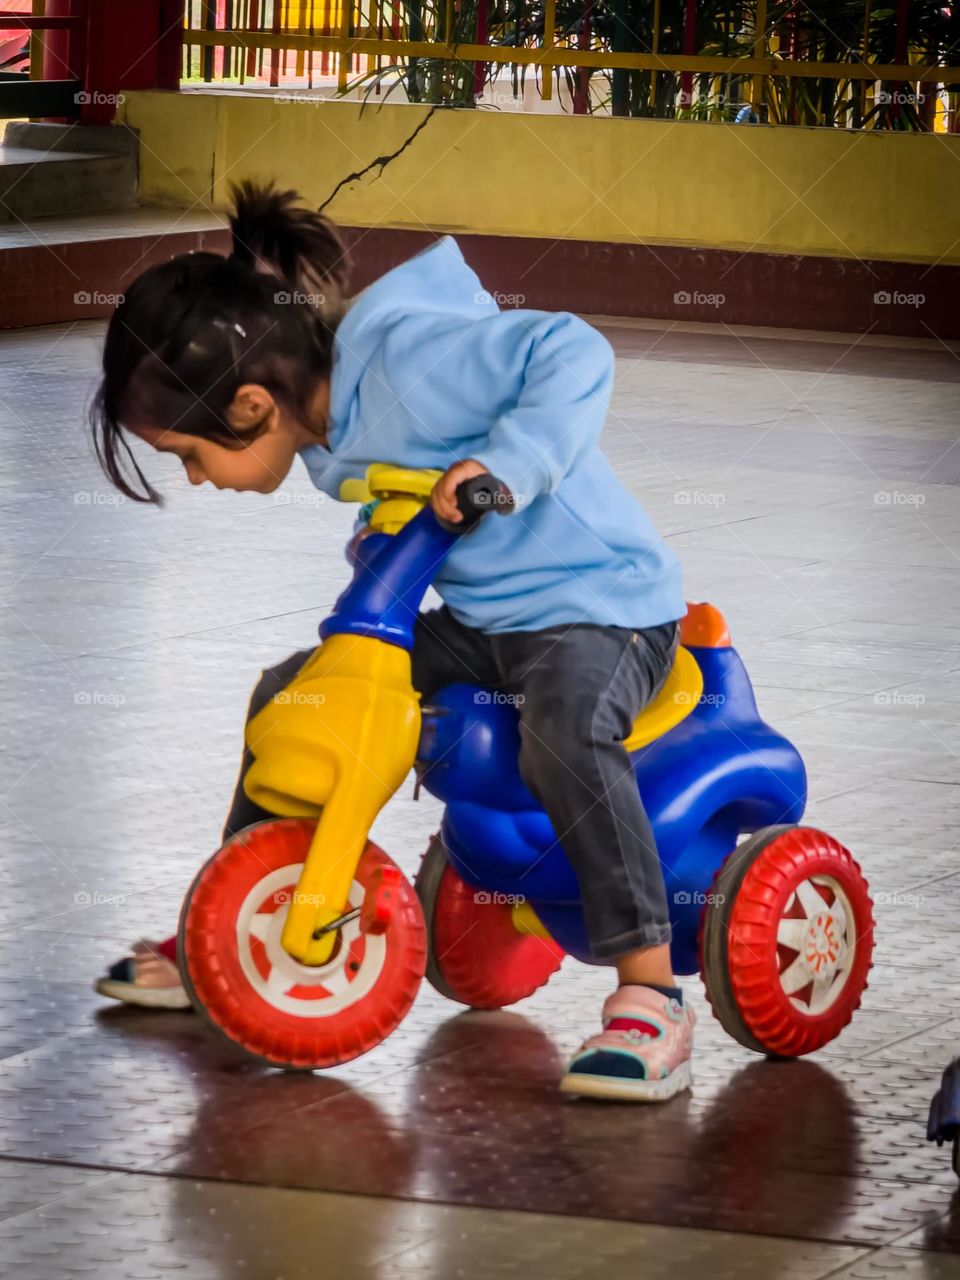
x=809 y=191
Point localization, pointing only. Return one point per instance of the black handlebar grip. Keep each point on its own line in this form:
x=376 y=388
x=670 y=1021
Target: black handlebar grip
x=475 y=499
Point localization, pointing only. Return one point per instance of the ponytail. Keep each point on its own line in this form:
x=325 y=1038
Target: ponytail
x=274 y=233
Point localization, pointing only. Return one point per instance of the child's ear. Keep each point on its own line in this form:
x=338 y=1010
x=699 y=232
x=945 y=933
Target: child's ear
x=252 y=406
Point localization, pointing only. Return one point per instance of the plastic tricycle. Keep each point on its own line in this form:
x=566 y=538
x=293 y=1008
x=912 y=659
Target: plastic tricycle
x=943 y=1124
x=303 y=942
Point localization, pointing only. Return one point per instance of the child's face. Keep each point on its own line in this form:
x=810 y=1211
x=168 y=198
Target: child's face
x=259 y=466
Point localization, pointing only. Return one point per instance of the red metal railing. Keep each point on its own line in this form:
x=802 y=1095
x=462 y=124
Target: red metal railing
x=92 y=50
x=46 y=78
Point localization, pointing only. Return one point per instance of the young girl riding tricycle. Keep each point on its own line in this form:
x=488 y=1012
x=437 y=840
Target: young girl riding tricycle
x=548 y=702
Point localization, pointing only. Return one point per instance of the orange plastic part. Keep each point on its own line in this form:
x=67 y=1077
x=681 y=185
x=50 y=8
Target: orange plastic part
x=704 y=627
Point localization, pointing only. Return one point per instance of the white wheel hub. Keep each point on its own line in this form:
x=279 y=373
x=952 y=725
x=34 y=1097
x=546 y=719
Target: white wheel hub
x=817 y=943
x=305 y=991
x=821 y=947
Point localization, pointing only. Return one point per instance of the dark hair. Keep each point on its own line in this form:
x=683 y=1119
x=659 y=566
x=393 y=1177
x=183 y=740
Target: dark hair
x=191 y=331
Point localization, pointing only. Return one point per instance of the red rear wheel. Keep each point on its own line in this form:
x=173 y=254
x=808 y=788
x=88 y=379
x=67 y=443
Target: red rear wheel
x=476 y=955
x=787 y=940
x=240 y=977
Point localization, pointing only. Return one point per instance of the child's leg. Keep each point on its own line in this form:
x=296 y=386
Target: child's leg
x=149 y=976
x=243 y=812
x=582 y=687
x=446 y=652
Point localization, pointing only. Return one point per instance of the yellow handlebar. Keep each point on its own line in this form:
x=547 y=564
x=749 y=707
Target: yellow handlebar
x=399 y=491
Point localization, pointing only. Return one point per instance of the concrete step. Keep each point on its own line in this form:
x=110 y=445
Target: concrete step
x=74 y=268
x=34 y=183
x=56 y=169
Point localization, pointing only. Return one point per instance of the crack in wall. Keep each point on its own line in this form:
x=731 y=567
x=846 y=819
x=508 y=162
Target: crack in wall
x=381 y=161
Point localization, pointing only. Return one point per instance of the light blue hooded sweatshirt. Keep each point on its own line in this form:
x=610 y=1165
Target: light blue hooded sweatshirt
x=428 y=371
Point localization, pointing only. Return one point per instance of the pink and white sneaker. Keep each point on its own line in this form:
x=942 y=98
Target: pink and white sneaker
x=641 y=1055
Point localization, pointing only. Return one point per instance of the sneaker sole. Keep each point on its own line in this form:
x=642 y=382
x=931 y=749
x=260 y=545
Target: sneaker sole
x=623 y=1090
x=144 y=997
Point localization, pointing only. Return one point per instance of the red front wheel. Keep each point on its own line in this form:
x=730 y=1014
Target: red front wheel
x=240 y=977
x=787 y=940
x=476 y=955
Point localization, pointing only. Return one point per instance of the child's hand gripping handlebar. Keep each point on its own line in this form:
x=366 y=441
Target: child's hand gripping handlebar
x=475 y=499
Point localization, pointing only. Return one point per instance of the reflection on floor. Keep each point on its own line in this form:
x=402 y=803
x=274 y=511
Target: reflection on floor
x=811 y=491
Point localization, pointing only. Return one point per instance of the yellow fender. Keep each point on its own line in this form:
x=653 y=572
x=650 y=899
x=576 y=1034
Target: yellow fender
x=339 y=740
x=335 y=744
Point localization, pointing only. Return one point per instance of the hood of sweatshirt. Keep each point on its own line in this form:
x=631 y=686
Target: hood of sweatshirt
x=437 y=280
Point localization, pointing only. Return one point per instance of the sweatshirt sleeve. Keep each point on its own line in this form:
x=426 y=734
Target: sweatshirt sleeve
x=560 y=411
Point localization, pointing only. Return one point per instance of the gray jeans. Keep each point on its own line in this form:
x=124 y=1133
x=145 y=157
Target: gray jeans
x=581 y=686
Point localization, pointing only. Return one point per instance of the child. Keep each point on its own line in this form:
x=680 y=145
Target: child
x=238 y=365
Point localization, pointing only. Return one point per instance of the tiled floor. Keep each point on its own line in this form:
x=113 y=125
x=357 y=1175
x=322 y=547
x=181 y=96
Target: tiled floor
x=810 y=487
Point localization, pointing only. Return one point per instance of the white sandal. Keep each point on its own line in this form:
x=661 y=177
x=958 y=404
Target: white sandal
x=145 y=978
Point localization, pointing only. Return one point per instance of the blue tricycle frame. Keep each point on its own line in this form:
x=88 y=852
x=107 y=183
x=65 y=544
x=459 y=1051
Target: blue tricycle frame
x=774 y=914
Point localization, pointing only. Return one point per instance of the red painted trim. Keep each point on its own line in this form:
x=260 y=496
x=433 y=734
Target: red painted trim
x=689 y=47
x=254 y=20
x=480 y=68
x=170 y=44
x=275 y=54
x=38 y=283
x=63 y=48
x=649 y=281
x=900 y=50
x=128 y=47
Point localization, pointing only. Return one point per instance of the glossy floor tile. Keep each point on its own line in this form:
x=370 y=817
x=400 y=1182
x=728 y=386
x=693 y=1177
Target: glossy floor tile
x=128 y=1227
x=811 y=490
